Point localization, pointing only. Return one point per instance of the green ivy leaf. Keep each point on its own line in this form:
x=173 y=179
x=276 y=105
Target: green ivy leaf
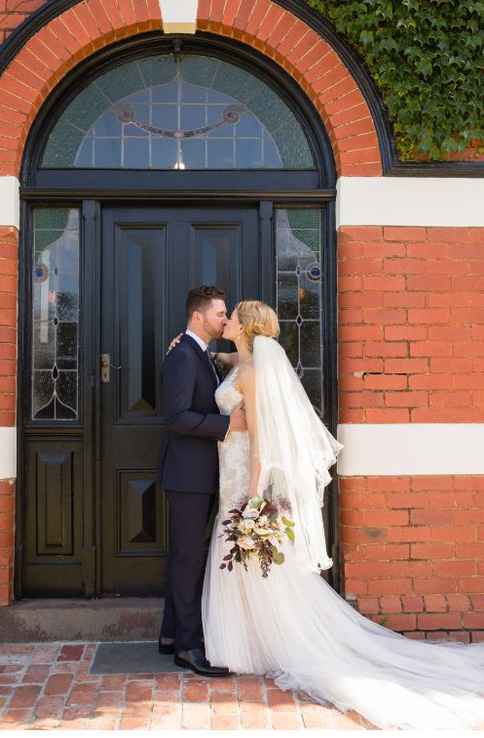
x=425 y=59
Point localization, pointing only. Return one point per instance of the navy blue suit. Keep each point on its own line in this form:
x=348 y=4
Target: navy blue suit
x=190 y=477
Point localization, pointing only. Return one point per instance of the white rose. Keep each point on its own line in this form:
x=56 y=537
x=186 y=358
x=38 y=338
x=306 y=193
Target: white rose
x=250 y=513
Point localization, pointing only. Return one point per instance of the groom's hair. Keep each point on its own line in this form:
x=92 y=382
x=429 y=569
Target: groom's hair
x=200 y=298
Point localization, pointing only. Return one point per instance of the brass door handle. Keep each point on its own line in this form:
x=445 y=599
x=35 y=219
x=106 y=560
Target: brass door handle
x=106 y=367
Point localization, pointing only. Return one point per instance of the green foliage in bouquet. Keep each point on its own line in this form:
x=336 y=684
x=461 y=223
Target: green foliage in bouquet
x=426 y=57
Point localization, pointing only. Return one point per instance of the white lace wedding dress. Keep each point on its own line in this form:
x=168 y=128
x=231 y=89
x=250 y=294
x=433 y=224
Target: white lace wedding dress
x=293 y=627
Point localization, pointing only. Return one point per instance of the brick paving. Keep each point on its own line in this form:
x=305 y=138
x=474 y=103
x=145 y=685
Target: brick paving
x=48 y=685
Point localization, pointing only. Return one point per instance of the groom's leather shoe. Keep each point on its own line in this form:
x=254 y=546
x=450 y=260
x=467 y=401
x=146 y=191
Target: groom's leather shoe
x=166 y=645
x=195 y=660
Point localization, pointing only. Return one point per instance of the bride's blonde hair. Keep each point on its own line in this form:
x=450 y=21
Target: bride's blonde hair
x=257 y=319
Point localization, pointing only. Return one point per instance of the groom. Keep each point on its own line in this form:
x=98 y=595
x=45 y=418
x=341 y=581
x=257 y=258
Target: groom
x=189 y=472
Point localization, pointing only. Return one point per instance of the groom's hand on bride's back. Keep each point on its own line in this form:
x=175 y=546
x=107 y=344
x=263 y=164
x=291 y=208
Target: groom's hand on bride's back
x=174 y=342
x=238 y=423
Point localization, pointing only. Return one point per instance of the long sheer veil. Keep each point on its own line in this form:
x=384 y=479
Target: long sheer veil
x=295 y=449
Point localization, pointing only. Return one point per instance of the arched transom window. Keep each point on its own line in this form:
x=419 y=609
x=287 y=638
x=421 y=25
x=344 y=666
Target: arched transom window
x=178 y=112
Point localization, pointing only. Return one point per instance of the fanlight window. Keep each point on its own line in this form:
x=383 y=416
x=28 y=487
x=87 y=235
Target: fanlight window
x=178 y=112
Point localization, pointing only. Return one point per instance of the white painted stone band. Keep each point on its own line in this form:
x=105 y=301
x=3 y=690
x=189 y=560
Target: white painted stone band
x=385 y=449
x=391 y=201
x=9 y=201
x=410 y=201
x=179 y=16
x=370 y=449
x=8 y=453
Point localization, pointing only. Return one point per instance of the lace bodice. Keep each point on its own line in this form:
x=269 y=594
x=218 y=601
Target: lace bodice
x=227 y=396
x=234 y=452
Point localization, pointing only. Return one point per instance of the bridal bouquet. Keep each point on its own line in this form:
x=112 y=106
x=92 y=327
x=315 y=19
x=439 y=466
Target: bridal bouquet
x=255 y=530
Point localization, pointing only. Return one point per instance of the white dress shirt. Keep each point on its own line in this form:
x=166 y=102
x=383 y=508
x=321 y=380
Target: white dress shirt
x=196 y=338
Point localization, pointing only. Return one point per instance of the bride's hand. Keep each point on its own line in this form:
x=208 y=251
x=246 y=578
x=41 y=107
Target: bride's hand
x=174 y=342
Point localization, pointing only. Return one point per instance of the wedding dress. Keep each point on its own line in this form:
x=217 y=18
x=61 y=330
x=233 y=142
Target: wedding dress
x=294 y=628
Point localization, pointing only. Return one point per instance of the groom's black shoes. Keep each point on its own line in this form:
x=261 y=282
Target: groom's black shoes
x=195 y=660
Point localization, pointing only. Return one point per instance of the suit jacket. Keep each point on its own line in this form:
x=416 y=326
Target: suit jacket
x=192 y=421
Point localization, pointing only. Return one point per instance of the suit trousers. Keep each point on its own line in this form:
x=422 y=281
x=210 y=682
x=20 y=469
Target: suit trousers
x=189 y=513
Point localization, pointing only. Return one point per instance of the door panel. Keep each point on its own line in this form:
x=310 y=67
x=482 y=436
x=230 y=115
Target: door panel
x=151 y=258
x=53 y=522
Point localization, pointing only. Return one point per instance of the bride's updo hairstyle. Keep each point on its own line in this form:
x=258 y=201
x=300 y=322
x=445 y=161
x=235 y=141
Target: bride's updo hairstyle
x=257 y=319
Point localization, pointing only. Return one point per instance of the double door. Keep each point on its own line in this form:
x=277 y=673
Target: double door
x=150 y=259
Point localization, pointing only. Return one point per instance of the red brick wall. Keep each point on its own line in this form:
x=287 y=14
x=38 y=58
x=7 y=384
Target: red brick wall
x=411 y=349
x=7 y=537
x=8 y=369
x=411 y=324
x=413 y=550
x=8 y=323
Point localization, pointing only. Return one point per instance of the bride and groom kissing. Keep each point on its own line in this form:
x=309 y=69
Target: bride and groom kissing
x=256 y=434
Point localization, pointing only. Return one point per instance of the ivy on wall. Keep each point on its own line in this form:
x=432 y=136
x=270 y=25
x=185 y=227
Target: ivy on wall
x=426 y=57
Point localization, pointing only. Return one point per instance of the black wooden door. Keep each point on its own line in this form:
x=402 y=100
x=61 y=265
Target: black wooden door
x=151 y=258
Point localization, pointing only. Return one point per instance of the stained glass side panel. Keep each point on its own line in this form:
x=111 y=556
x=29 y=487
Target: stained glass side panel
x=298 y=267
x=55 y=314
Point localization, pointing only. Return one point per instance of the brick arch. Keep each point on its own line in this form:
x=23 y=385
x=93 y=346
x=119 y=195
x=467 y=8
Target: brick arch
x=91 y=25
x=314 y=64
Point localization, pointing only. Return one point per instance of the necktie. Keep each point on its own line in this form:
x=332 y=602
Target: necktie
x=212 y=366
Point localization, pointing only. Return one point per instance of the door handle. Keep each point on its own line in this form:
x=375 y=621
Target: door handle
x=106 y=367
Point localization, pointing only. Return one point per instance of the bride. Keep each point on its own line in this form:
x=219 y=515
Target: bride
x=292 y=626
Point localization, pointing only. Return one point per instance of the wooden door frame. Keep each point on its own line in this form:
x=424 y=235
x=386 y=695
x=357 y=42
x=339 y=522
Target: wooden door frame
x=89 y=427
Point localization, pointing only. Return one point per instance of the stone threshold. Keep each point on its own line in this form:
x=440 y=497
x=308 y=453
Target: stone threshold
x=71 y=619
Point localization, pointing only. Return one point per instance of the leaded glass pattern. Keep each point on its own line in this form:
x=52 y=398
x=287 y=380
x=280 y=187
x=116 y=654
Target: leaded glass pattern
x=298 y=267
x=178 y=112
x=55 y=314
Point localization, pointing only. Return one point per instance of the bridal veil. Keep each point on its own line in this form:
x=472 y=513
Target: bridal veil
x=295 y=449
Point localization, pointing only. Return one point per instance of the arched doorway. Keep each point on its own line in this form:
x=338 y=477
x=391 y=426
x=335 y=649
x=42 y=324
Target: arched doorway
x=157 y=165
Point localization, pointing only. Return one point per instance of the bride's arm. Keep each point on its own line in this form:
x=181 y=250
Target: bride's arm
x=229 y=360
x=246 y=381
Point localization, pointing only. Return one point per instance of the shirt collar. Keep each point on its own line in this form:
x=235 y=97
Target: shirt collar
x=196 y=338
